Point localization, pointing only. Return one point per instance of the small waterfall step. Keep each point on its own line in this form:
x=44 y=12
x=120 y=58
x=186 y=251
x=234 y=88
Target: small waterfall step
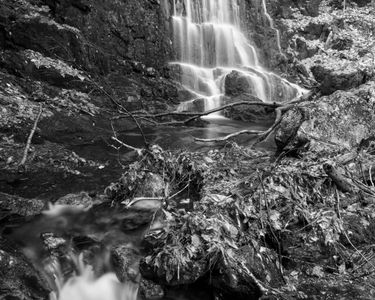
x=210 y=46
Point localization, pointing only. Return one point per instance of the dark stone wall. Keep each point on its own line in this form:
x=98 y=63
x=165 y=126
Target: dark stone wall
x=132 y=30
x=89 y=34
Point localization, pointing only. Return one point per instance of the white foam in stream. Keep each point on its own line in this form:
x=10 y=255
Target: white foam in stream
x=86 y=286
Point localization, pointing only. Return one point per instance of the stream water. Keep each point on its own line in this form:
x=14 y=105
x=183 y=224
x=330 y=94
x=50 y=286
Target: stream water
x=210 y=45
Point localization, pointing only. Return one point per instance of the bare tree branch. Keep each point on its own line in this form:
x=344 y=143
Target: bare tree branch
x=126 y=145
x=123 y=109
x=279 y=109
x=229 y=136
x=195 y=115
x=28 y=143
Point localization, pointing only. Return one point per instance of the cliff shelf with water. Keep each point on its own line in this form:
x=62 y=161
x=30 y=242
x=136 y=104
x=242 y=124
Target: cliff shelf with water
x=210 y=44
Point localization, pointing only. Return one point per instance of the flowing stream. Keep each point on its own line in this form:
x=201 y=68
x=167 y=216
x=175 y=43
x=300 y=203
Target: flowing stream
x=210 y=45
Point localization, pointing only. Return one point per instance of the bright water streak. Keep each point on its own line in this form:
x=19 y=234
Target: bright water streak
x=210 y=44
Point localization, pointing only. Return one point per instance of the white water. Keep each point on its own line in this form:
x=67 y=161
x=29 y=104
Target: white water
x=210 y=44
x=86 y=286
x=272 y=25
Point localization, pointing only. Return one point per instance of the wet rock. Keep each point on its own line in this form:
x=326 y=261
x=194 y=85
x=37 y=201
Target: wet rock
x=237 y=84
x=15 y=205
x=336 y=75
x=125 y=261
x=247 y=113
x=82 y=200
x=58 y=253
x=260 y=31
x=196 y=105
x=268 y=87
x=15 y=211
x=19 y=279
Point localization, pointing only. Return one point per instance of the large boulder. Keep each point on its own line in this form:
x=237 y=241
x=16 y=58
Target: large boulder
x=333 y=74
x=268 y=87
x=125 y=261
x=237 y=83
x=343 y=118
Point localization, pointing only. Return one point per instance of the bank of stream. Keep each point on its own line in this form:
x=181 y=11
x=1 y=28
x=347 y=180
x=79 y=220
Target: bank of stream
x=110 y=162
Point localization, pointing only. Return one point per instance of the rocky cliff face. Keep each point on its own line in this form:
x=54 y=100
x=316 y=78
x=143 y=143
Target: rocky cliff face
x=81 y=61
x=89 y=34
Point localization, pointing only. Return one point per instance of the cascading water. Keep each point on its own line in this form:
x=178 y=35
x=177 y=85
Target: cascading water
x=271 y=24
x=210 y=44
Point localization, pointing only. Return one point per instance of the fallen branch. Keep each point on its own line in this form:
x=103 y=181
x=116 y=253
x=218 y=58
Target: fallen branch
x=254 y=101
x=279 y=109
x=138 y=150
x=129 y=114
x=195 y=115
x=225 y=138
x=28 y=143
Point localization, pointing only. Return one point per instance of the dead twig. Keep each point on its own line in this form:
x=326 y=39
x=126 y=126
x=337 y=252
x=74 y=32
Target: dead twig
x=227 y=137
x=28 y=143
x=138 y=150
x=123 y=109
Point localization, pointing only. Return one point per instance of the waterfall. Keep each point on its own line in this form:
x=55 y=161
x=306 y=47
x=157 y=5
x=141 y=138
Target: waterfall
x=272 y=25
x=210 y=44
